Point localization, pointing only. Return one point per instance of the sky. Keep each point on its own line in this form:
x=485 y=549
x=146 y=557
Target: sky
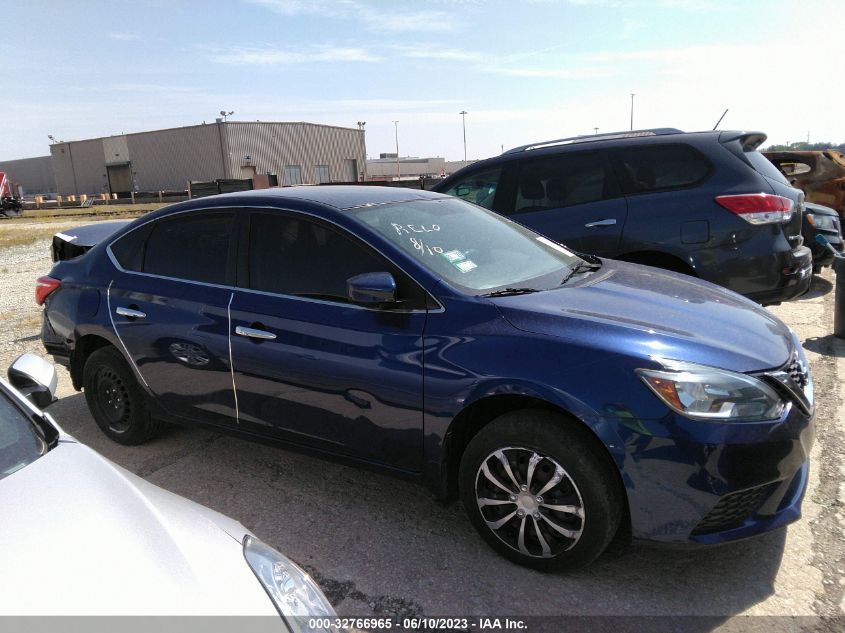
x=523 y=70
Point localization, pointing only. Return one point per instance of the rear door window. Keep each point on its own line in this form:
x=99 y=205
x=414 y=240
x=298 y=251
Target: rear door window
x=194 y=247
x=479 y=187
x=565 y=180
x=660 y=167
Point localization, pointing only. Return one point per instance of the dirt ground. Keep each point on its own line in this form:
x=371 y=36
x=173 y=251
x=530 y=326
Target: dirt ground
x=382 y=546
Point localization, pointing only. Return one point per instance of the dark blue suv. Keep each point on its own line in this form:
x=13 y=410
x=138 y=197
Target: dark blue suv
x=707 y=204
x=565 y=398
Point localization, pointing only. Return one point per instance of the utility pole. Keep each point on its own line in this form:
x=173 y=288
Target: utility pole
x=595 y=130
x=463 y=114
x=632 y=111
x=396 y=128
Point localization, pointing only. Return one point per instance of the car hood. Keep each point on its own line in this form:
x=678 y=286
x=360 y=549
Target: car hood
x=83 y=536
x=648 y=312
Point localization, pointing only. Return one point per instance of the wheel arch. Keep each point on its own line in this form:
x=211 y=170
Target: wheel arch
x=482 y=410
x=85 y=346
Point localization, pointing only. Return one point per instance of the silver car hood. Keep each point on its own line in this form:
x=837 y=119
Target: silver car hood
x=79 y=535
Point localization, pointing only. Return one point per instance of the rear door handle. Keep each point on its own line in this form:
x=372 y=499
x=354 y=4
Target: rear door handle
x=251 y=332
x=130 y=313
x=605 y=222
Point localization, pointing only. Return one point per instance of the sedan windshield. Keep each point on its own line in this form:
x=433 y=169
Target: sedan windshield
x=470 y=247
x=19 y=443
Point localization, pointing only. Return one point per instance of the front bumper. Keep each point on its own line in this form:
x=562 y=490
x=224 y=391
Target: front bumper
x=708 y=483
x=821 y=255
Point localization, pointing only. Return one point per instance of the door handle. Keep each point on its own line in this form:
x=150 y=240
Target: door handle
x=130 y=313
x=251 y=332
x=605 y=222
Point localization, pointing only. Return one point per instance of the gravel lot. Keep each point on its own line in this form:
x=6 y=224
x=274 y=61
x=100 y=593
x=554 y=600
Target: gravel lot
x=382 y=546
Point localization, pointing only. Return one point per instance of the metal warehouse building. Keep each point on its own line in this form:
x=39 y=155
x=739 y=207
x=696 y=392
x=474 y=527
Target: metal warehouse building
x=166 y=160
x=32 y=175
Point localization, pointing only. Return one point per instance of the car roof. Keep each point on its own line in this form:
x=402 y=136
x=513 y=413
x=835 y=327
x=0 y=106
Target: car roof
x=338 y=196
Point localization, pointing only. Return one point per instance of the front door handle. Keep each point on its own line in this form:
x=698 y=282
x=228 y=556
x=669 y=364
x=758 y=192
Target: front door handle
x=130 y=313
x=251 y=332
x=605 y=222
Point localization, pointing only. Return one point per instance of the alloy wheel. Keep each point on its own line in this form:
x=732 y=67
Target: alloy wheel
x=529 y=501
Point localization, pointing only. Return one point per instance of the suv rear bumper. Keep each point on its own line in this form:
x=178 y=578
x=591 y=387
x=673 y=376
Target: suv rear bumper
x=795 y=278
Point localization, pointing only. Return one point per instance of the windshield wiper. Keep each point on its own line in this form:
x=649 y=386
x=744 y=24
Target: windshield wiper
x=509 y=292
x=581 y=266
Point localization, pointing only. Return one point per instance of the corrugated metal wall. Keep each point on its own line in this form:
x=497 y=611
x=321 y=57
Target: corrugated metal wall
x=79 y=167
x=168 y=159
x=35 y=175
x=273 y=146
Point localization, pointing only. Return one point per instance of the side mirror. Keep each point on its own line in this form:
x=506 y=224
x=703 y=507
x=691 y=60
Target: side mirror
x=371 y=288
x=35 y=378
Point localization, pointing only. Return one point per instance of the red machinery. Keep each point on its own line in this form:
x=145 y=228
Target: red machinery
x=10 y=204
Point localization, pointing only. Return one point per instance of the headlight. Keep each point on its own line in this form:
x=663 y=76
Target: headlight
x=707 y=393
x=296 y=596
x=824 y=222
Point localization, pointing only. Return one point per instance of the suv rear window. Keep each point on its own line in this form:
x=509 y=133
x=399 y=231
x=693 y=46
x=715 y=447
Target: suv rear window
x=764 y=166
x=659 y=168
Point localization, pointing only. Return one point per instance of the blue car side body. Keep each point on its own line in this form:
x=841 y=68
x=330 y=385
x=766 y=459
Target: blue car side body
x=403 y=392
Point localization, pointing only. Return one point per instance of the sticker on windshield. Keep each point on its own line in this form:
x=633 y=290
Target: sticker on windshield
x=454 y=256
x=555 y=246
x=466 y=265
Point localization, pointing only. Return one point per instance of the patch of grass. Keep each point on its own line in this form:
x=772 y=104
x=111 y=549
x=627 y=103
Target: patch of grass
x=31 y=215
x=17 y=237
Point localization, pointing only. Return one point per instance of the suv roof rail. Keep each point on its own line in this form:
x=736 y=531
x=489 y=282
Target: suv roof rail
x=587 y=138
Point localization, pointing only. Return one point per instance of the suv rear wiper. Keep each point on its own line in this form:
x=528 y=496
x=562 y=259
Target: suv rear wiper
x=579 y=267
x=508 y=292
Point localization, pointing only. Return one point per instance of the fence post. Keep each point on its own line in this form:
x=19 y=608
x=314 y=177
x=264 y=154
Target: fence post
x=132 y=194
x=159 y=197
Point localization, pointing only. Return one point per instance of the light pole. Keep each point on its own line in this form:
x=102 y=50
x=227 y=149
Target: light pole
x=396 y=128
x=632 y=111
x=463 y=114
x=595 y=130
x=226 y=115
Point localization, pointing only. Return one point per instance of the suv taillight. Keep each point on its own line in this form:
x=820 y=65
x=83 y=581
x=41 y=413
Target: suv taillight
x=44 y=286
x=758 y=208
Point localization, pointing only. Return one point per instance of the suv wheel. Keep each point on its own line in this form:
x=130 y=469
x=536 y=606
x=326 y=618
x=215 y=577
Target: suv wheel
x=538 y=491
x=115 y=399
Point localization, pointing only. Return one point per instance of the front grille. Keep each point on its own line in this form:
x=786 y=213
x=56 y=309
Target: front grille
x=798 y=373
x=732 y=510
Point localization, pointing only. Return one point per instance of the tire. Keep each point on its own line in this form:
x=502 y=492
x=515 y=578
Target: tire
x=116 y=400
x=587 y=486
x=817 y=270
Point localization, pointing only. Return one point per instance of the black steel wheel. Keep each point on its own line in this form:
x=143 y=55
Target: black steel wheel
x=115 y=399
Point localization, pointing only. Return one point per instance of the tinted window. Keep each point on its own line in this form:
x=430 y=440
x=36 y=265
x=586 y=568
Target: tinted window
x=194 y=247
x=562 y=181
x=660 y=167
x=764 y=166
x=479 y=187
x=19 y=445
x=129 y=249
x=294 y=256
x=474 y=249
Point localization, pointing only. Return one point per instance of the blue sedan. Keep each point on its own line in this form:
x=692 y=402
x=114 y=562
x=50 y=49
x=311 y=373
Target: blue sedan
x=566 y=399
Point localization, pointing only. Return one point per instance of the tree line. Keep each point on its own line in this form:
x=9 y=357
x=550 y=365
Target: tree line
x=801 y=147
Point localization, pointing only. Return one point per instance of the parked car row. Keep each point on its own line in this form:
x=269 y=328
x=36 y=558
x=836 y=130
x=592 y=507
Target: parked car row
x=706 y=204
x=567 y=399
